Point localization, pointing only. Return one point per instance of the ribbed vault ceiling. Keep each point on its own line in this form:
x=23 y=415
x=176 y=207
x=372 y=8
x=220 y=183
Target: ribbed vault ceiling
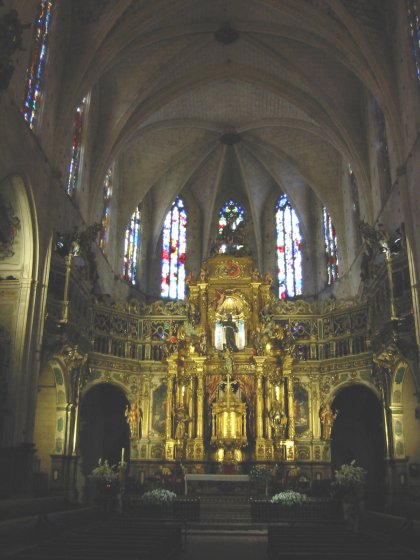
x=271 y=103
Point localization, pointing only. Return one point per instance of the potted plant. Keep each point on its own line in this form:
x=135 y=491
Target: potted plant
x=261 y=474
x=157 y=502
x=348 y=487
x=106 y=479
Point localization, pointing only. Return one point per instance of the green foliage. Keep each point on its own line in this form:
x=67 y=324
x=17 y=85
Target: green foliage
x=349 y=481
x=260 y=472
x=105 y=472
x=289 y=498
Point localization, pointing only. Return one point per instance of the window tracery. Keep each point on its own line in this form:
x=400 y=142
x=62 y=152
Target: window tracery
x=132 y=247
x=76 y=150
x=35 y=72
x=174 y=246
x=330 y=243
x=289 y=256
x=107 y=196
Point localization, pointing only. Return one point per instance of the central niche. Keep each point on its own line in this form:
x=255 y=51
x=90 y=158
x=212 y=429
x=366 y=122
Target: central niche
x=230 y=323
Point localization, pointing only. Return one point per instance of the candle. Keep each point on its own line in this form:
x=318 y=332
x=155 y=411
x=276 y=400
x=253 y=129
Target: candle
x=122 y=455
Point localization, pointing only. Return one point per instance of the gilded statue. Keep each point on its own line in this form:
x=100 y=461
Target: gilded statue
x=327 y=417
x=182 y=419
x=134 y=417
x=278 y=420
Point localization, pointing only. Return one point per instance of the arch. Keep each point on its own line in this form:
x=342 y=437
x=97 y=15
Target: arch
x=19 y=258
x=51 y=416
x=358 y=434
x=102 y=412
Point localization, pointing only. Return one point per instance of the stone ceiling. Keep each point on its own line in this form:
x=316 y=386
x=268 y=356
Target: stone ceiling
x=240 y=97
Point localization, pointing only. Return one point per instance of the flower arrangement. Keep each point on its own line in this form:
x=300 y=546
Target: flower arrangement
x=159 y=496
x=289 y=498
x=260 y=472
x=349 y=482
x=104 y=472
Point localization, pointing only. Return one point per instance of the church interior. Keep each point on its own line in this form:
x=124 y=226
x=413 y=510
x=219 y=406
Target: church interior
x=210 y=245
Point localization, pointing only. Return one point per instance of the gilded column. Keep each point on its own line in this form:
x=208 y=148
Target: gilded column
x=199 y=444
x=203 y=305
x=169 y=405
x=146 y=406
x=259 y=410
x=315 y=406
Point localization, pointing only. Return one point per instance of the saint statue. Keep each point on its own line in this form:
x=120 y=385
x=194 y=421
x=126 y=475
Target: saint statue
x=230 y=329
x=182 y=419
x=278 y=420
x=327 y=417
x=133 y=416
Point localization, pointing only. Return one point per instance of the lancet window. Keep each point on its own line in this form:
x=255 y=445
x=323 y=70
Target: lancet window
x=107 y=196
x=132 y=247
x=231 y=222
x=383 y=151
x=76 y=149
x=35 y=72
x=174 y=247
x=330 y=244
x=289 y=256
x=414 y=33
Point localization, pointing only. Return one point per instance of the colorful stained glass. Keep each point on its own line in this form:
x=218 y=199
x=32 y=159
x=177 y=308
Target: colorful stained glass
x=35 y=70
x=131 y=247
x=414 y=32
x=174 y=251
x=230 y=216
x=330 y=244
x=383 y=152
x=107 y=195
x=76 y=149
x=289 y=255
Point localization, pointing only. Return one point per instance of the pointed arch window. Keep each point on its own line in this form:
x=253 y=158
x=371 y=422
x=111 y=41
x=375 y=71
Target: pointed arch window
x=231 y=217
x=354 y=190
x=289 y=256
x=107 y=196
x=414 y=32
x=132 y=247
x=330 y=244
x=35 y=72
x=382 y=149
x=76 y=149
x=174 y=247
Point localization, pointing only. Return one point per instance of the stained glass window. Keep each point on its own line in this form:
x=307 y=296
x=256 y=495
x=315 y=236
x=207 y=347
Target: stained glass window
x=414 y=32
x=131 y=247
x=36 y=67
x=382 y=148
x=174 y=247
x=107 y=195
x=355 y=203
x=289 y=256
x=330 y=244
x=230 y=217
x=76 y=149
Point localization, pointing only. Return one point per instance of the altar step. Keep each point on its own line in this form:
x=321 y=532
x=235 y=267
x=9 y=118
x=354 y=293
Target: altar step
x=230 y=515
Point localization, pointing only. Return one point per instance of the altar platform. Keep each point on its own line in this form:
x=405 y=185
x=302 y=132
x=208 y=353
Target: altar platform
x=218 y=484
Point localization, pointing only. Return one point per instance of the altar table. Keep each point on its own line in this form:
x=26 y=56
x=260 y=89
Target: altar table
x=218 y=479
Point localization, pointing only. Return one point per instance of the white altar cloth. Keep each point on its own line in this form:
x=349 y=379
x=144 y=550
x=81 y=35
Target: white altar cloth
x=214 y=478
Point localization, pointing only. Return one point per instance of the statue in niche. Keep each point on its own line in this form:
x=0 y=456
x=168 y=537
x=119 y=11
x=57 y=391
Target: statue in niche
x=327 y=417
x=278 y=420
x=134 y=416
x=230 y=329
x=182 y=419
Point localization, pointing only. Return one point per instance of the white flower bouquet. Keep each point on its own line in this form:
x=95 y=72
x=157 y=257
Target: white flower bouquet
x=289 y=498
x=159 y=496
